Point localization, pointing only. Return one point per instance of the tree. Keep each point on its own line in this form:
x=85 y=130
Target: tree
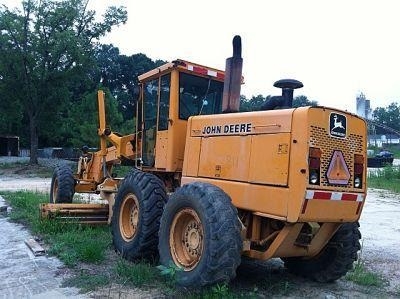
x=120 y=74
x=389 y=116
x=255 y=103
x=82 y=127
x=302 y=101
x=43 y=48
x=252 y=104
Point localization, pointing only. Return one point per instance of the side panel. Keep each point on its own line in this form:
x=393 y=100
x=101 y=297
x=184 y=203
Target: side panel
x=226 y=158
x=161 y=149
x=192 y=157
x=269 y=161
x=245 y=154
x=270 y=201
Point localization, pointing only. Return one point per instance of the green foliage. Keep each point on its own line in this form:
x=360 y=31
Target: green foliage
x=135 y=274
x=389 y=116
x=71 y=242
x=26 y=208
x=121 y=170
x=78 y=243
x=302 y=101
x=170 y=273
x=255 y=103
x=220 y=291
x=83 y=121
x=87 y=281
x=119 y=73
x=46 y=47
x=362 y=276
x=387 y=178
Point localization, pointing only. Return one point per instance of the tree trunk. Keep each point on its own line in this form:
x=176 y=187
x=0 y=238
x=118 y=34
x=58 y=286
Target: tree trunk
x=34 y=140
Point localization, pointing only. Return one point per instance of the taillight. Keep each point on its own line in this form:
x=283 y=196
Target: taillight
x=358 y=171
x=314 y=164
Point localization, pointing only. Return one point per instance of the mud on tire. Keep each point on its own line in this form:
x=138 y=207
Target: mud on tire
x=200 y=233
x=136 y=215
x=335 y=259
x=62 y=185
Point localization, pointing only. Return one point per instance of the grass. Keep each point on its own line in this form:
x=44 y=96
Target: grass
x=89 y=248
x=87 y=251
x=71 y=242
x=121 y=170
x=77 y=244
x=362 y=276
x=135 y=274
x=87 y=281
x=387 y=178
x=80 y=243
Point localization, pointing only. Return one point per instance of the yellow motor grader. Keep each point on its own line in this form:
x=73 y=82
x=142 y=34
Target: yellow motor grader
x=209 y=184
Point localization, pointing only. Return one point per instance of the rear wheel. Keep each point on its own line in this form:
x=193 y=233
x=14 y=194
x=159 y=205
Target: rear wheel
x=334 y=260
x=200 y=234
x=62 y=185
x=136 y=215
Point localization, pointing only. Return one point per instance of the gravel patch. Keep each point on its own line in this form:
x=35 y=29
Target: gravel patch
x=51 y=163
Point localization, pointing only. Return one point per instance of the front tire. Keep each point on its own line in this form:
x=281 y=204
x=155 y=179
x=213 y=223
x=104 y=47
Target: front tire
x=62 y=185
x=200 y=234
x=334 y=261
x=136 y=215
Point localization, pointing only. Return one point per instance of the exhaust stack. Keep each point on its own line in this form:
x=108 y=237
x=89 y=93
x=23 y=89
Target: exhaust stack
x=233 y=78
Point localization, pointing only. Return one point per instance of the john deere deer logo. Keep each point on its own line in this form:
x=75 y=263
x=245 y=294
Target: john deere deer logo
x=337 y=125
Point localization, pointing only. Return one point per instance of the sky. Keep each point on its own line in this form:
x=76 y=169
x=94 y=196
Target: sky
x=338 y=49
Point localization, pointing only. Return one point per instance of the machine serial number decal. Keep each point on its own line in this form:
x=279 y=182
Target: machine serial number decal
x=227 y=129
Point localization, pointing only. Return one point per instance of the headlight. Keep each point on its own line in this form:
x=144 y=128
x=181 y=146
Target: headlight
x=357 y=182
x=314 y=178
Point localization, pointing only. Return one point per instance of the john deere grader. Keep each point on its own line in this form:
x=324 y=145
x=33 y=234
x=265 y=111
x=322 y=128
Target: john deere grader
x=209 y=184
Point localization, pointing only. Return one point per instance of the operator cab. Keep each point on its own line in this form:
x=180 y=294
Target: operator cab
x=169 y=95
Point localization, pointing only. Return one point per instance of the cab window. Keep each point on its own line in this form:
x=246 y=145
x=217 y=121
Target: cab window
x=199 y=96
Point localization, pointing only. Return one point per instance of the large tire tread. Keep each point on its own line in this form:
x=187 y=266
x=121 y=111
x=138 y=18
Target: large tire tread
x=222 y=234
x=334 y=261
x=152 y=197
x=64 y=178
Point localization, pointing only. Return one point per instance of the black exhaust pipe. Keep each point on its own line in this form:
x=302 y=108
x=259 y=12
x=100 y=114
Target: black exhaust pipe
x=233 y=78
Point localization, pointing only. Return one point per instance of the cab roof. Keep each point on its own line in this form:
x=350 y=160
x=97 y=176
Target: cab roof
x=185 y=66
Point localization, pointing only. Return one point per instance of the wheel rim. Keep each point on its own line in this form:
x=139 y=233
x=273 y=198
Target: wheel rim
x=129 y=217
x=55 y=190
x=186 y=239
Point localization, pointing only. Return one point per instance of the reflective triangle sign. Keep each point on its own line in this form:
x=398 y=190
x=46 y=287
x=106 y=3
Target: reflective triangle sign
x=338 y=172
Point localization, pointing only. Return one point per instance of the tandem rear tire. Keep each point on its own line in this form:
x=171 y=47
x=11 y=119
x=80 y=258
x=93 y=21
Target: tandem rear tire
x=62 y=185
x=200 y=235
x=136 y=216
x=334 y=261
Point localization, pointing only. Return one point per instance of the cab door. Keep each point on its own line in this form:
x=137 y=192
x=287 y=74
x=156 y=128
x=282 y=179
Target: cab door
x=155 y=121
x=163 y=123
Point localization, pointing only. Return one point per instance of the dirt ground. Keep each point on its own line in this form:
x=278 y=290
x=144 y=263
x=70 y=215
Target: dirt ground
x=380 y=228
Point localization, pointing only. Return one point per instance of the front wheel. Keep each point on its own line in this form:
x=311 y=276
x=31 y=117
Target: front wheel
x=136 y=215
x=200 y=235
x=334 y=260
x=62 y=185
